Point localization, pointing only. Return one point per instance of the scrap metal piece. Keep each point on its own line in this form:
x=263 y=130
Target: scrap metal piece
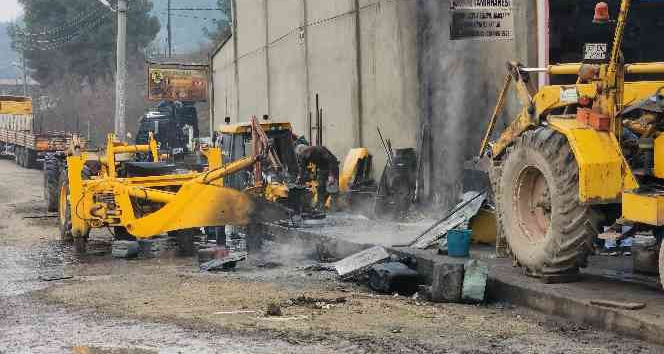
x=225 y=263
x=360 y=261
x=463 y=212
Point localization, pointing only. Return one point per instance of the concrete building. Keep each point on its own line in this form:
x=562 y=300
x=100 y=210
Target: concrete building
x=358 y=57
x=383 y=63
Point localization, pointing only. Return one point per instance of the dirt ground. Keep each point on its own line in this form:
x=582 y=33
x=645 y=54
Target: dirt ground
x=166 y=305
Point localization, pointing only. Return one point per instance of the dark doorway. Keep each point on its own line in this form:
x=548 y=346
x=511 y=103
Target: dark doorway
x=571 y=19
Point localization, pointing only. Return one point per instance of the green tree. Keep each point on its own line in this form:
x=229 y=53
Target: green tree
x=222 y=27
x=70 y=48
x=77 y=37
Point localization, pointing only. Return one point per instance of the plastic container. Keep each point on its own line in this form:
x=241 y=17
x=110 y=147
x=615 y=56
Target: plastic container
x=458 y=243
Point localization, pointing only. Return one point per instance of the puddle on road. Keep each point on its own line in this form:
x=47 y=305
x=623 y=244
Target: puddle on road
x=84 y=349
x=23 y=269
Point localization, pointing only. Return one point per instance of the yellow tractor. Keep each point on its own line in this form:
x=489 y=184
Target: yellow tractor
x=280 y=173
x=141 y=200
x=578 y=158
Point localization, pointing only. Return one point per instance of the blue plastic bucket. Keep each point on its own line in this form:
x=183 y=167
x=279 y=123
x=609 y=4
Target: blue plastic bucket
x=458 y=242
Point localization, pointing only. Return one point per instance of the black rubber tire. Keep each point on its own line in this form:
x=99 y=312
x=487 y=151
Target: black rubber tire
x=64 y=208
x=661 y=264
x=18 y=155
x=30 y=158
x=561 y=245
x=51 y=182
x=502 y=248
x=65 y=212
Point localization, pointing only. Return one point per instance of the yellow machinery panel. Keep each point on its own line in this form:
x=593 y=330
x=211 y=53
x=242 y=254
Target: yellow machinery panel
x=484 y=226
x=659 y=156
x=350 y=167
x=600 y=161
x=643 y=208
x=15 y=105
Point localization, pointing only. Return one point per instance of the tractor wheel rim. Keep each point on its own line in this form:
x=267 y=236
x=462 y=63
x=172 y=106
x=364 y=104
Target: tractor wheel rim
x=533 y=204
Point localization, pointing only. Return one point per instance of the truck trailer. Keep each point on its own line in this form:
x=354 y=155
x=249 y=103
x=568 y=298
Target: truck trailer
x=18 y=136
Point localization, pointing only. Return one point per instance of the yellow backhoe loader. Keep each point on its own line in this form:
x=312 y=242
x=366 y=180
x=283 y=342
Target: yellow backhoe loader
x=144 y=199
x=579 y=157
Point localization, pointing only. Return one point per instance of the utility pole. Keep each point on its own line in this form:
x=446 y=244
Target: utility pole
x=121 y=71
x=25 y=73
x=168 y=28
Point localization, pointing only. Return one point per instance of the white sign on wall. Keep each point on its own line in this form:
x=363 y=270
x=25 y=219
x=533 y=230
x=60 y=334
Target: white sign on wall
x=481 y=19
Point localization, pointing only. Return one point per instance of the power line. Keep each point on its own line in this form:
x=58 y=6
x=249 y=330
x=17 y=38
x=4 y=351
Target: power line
x=54 y=38
x=189 y=16
x=195 y=9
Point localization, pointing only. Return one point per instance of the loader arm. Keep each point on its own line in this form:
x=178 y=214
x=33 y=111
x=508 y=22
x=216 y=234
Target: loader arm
x=175 y=202
x=523 y=121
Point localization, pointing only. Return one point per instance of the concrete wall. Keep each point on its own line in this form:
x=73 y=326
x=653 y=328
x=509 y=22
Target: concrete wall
x=372 y=63
x=389 y=74
x=289 y=51
x=459 y=84
x=224 y=92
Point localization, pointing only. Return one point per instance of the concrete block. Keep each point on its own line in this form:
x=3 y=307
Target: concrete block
x=125 y=249
x=474 y=281
x=149 y=248
x=447 y=282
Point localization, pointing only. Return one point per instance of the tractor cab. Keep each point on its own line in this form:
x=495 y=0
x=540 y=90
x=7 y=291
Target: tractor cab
x=235 y=141
x=174 y=126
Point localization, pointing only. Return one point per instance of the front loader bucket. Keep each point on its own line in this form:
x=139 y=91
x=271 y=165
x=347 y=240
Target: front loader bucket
x=198 y=205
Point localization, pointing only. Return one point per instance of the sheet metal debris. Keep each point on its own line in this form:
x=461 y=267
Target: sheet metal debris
x=360 y=261
x=224 y=263
x=461 y=213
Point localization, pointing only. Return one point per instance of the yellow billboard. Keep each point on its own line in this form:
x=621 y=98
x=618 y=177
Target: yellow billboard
x=177 y=82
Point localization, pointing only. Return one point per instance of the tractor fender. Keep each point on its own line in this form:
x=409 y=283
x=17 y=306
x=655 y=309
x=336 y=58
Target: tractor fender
x=603 y=171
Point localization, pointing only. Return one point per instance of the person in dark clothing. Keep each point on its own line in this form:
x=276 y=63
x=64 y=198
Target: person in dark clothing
x=327 y=170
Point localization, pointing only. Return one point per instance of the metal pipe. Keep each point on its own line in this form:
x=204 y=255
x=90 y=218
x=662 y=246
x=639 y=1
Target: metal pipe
x=131 y=149
x=543 y=40
x=228 y=169
x=564 y=69
x=151 y=194
x=121 y=71
x=645 y=68
x=573 y=69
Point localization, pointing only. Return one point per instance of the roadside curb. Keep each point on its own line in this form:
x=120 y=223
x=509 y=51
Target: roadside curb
x=509 y=284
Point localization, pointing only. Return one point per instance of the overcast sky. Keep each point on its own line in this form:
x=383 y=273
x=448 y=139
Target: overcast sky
x=9 y=10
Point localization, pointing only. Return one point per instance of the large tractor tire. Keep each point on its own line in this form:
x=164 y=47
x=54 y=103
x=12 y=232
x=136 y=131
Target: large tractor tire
x=30 y=158
x=661 y=264
x=51 y=182
x=547 y=229
x=65 y=212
